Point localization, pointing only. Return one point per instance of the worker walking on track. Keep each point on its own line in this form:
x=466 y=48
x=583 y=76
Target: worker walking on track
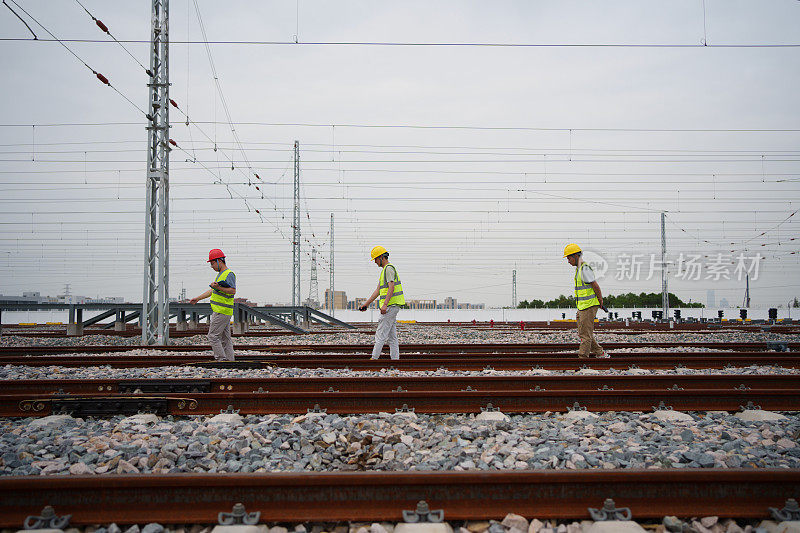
x=589 y=299
x=222 y=291
x=390 y=292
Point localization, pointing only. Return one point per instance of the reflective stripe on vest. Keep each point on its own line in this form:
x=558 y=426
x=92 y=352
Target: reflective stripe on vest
x=397 y=296
x=220 y=302
x=584 y=294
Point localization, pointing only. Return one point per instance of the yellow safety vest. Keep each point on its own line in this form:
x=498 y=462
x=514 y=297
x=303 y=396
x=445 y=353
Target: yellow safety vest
x=220 y=302
x=397 y=296
x=584 y=294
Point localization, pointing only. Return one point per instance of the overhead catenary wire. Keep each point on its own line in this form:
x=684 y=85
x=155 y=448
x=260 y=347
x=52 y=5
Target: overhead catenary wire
x=423 y=44
x=103 y=79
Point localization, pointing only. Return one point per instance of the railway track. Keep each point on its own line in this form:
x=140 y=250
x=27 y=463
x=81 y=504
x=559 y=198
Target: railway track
x=376 y=496
x=390 y=383
x=513 y=361
x=422 y=401
x=482 y=348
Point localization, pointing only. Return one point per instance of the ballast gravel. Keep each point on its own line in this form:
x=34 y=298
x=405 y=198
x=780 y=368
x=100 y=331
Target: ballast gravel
x=419 y=334
x=62 y=445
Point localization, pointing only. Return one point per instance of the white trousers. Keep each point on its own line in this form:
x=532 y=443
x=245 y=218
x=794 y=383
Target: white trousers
x=387 y=331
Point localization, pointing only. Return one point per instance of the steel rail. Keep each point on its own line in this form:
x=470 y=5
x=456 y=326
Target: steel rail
x=382 y=496
x=516 y=362
x=266 y=402
x=392 y=383
x=404 y=348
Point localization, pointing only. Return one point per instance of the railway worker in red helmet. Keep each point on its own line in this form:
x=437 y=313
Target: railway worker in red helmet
x=222 y=292
x=390 y=300
x=589 y=299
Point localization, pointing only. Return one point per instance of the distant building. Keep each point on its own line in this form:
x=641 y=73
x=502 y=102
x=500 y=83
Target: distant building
x=724 y=303
x=421 y=304
x=245 y=301
x=711 y=298
x=450 y=303
x=335 y=299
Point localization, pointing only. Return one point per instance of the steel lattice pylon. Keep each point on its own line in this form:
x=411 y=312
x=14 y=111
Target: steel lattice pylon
x=332 y=298
x=664 y=289
x=296 y=229
x=313 y=288
x=155 y=299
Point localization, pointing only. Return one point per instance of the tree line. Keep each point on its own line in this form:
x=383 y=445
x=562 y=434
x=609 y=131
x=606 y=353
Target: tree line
x=644 y=299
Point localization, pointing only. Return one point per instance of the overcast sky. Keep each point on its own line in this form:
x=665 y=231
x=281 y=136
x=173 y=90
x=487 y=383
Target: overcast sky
x=513 y=151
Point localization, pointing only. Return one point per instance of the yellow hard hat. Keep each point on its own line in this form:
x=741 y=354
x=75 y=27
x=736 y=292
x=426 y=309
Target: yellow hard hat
x=571 y=249
x=378 y=251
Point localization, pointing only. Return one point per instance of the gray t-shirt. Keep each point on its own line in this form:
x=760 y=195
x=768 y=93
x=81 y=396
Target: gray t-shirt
x=391 y=274
x=587 y=274
x=230 y=280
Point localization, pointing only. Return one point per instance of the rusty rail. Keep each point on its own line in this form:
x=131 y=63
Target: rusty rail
x=391 y=383
x=300 y=497
x=482 y=348
x=267 y=402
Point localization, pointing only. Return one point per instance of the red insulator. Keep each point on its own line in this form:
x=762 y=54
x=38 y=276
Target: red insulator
x=174 y=103
x=257 y=211
x=102 y=78
x=257 y=177
x=257 y=188
x=173 y=143
x=101 y=26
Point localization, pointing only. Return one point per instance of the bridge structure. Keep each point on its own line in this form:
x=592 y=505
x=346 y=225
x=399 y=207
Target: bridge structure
x=188 y=316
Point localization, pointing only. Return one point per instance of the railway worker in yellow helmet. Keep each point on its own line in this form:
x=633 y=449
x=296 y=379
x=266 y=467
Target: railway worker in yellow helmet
x=222 y=292
x=391 y=299
x=589 y=299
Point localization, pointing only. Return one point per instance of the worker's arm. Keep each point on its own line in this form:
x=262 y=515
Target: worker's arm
x=371 y=299
x=597 y=291
x=389 y=294
x=201 y=297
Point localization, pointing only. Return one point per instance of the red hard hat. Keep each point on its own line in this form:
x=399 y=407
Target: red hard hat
x=216 y=253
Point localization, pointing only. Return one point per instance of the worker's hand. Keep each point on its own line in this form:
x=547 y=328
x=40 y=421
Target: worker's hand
x=193 y=301
x=215 y=285
x=362 y=308
x=384 y=309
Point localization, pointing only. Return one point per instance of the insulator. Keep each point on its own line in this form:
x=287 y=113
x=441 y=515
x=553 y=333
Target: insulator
x=101 y=25
x=102 y=78
x=257 y=211
x=257 y=188
x=174 y=103
x=150 y=117
x=149 y=72
x=173 y=143
x=258 y=177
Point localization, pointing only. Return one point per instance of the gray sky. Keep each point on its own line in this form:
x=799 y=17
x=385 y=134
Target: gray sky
x=523 y=149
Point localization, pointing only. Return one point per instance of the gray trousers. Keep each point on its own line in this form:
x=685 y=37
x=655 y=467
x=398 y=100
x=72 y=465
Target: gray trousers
x=219 y=336
x=387 y=331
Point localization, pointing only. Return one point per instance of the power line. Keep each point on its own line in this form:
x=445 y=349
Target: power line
x=435 y=44
x=99 y=76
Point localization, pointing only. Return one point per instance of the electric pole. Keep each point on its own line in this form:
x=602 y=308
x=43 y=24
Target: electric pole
x=664 y=293
x=514 y=288
x=332 y=298
x=296 y=229
x=313 y=289
x=746 y=302
x=155 y=297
